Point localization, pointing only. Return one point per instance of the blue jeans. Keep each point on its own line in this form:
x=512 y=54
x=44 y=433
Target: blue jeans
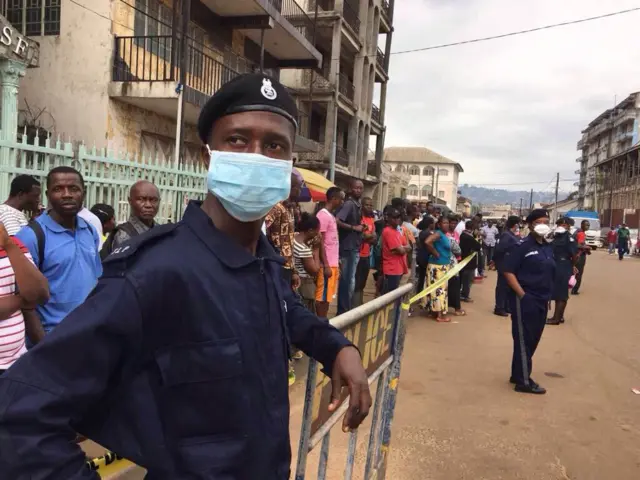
x=347 y=284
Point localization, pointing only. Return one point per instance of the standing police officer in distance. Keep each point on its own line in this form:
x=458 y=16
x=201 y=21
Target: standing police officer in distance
x=178 y=359
x=529 y=269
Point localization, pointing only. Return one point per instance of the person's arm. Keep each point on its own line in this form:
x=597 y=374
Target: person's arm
x=45 y=394
x=512 y=261
x=394 y=244
x=348 y=208
x=341 y=360
x=33 y=325
x=429 y=244
x=32 y=284
x=120 y=237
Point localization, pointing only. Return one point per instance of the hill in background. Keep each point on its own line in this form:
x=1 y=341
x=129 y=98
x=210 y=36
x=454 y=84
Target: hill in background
x=490 y=196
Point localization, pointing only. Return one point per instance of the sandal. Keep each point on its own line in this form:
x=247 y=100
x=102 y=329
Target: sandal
x=459 y=313
x=443 y=320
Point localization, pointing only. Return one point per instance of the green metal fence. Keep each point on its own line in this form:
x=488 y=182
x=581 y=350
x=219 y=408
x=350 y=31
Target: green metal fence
x=108 y=175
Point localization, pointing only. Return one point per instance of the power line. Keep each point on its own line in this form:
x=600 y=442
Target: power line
x=519 y=32
x=521 y=183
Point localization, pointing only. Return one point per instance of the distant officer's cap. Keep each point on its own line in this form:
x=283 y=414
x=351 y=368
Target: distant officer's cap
x=536 y=214
x=252 y=92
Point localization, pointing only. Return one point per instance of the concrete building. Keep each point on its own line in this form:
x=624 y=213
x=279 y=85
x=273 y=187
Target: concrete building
x=344 y=100
x=109 y=69
x=614 y=132
x=431 y=175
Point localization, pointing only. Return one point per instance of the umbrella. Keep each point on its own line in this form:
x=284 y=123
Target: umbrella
x=314 y=186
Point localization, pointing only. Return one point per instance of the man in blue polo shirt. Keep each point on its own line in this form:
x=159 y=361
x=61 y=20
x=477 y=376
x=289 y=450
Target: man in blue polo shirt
x=70 y=258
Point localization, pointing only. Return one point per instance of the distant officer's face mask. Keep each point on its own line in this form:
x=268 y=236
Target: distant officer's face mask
x=561 y=230
x=248 y=185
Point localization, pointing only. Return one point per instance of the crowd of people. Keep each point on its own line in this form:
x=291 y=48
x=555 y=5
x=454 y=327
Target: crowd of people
x=66 y=244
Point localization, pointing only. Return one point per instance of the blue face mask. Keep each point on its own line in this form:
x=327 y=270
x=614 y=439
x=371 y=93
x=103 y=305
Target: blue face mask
x=248 y=185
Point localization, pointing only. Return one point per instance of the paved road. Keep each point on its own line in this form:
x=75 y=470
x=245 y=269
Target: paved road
x=458 y=418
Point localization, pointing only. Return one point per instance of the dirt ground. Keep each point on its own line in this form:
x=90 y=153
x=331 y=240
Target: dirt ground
x=457 y=417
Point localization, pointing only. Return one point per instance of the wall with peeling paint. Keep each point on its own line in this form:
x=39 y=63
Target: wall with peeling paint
x=70 y=86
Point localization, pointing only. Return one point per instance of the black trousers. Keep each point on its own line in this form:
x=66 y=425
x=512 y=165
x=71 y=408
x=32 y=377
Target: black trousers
x=466 y=280
x=528 y=318
x=422 y=276
x=488 y=254
x=580 y=264
x=362 y=273
x=454 y=292
x=481 y=259
x=502 y=292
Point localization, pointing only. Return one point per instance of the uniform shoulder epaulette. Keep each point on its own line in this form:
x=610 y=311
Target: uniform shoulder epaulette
x=139 y=242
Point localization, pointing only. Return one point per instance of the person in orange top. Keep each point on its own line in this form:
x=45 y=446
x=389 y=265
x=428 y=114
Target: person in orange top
x=394 y=251
x=369 y=238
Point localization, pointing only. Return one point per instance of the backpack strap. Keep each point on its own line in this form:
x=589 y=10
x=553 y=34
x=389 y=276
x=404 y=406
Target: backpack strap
x=40 y=238
x=107 y=247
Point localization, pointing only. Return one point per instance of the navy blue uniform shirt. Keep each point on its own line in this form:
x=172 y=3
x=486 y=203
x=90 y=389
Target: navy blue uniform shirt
x=533 y=265
x=507 y=241
x=176 y=361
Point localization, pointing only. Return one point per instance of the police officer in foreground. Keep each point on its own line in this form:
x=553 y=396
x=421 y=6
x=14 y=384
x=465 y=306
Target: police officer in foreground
x=529 y=269
x=178 y=359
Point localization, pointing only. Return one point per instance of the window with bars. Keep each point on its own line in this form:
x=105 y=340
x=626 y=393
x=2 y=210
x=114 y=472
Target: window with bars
x=153 y=20
x=33 y=18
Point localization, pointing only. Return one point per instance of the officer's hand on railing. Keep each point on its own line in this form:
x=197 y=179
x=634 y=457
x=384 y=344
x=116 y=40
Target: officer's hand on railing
x=348 y=371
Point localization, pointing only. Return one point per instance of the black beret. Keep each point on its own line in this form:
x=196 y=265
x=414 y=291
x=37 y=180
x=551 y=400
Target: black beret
x=536 y=214
x=253 y=92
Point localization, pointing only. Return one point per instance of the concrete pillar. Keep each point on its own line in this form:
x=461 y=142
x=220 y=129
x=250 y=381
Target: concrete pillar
x=379 y=154
x=383 y=101
x=336 y=45
x=10 y=73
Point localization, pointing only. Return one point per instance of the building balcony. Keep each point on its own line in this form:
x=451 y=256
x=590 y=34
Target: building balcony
x=580 y=145
x=346 y=88
x=386 y=10
x=381 y=66
x=288 y=29
x=577 y=172
x=350 y=15
x=375 y=114
x=579 y=159
x=624 y=118
x=342 y=156
x=145 y=74
x=622 y=136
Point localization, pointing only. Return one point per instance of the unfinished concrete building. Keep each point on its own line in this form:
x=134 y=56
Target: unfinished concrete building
x=344 y=101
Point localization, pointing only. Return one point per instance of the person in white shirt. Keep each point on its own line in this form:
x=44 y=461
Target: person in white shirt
x=94 y=221
x=24 y=196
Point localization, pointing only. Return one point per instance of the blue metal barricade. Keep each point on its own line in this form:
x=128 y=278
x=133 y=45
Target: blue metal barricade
x=377 y=328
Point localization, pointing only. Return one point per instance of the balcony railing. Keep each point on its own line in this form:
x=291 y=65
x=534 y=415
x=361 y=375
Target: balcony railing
x=375 y=114
x=350 y=15
x=345 y=87
x=342 y=157
x=385 y=9
x=381 y=59
x=148 y=59
x=323 y=5
x=320 y=79
x=296 y=16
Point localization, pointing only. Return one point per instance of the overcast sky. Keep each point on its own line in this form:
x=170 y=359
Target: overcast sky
x=509 y=110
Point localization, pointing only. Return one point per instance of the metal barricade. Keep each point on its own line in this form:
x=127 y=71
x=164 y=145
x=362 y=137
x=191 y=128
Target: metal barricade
x=377 y=328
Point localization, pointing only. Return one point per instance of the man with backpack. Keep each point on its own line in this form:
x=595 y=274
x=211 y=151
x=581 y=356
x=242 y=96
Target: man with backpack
x=144 y=200
x=63 y=246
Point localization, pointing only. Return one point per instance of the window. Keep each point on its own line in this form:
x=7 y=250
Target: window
x=426 y=190
x=152 y=25
x=413 y=191
x=400 y=168
x=413 y=170
x=441 y=194
x=34 y=18
x=428 y=171
x=443 y=172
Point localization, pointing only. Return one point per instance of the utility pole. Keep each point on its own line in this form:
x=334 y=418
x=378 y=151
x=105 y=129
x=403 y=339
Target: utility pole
x=555 y=216
x=521 y=207
x=531 y=201
x=184 y=63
